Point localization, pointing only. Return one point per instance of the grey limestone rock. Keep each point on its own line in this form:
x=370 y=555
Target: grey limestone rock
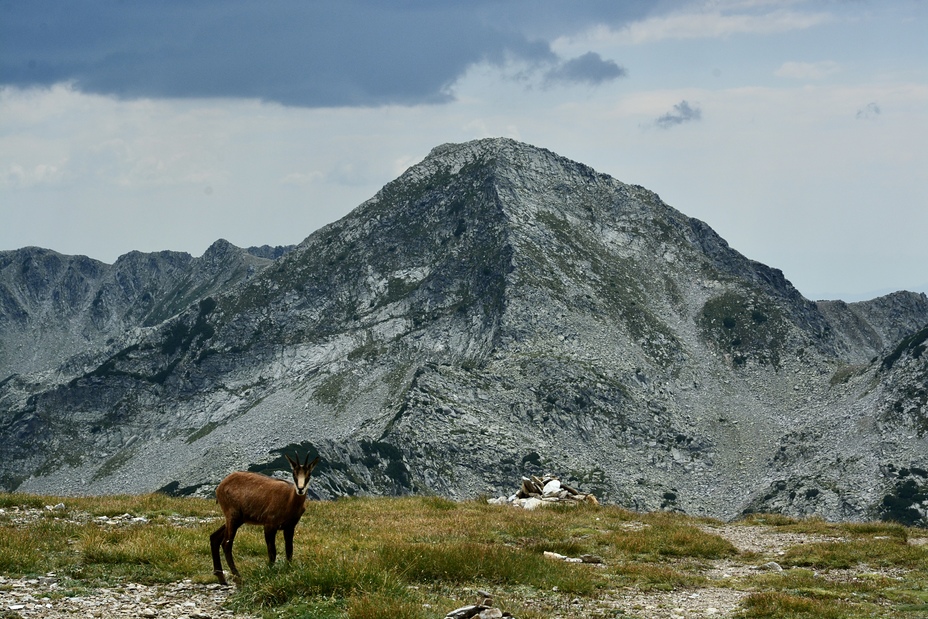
x=497 y=311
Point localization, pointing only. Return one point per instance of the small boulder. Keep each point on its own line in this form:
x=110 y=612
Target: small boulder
x=532 y=503
x=552 y=488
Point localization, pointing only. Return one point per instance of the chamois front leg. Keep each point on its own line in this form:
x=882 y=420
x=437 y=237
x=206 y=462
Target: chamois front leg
x=288 y=541
x=270 y=538
x=215 y=541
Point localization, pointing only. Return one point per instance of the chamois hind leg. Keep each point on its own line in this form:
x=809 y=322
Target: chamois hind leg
x=215 y=541
x=231 y=529
x=270 y=538
x=288 y=541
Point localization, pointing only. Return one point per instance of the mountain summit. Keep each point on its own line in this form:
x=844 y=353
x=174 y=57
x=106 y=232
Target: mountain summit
x=498 y=311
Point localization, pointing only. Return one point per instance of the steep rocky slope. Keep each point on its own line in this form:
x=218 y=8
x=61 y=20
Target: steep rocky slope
x=499 y=310
x=53 y=307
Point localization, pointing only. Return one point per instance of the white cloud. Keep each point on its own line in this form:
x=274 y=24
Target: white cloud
x=808 y=70
x=770 y=164
x=89 y=174
x=21 y=176
x=771 y=168
x=708 y=19
x=59 y=134
x=713 y=23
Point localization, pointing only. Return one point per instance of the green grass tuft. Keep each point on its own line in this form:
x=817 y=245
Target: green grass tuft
x=876 y=552
x=779 y=605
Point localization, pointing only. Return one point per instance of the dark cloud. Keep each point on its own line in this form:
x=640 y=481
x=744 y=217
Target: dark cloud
x=682 y=112
x=296 y=52
x=869 y=111
x=589 y=68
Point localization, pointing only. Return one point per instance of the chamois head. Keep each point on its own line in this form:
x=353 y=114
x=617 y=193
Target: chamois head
x=301 y=472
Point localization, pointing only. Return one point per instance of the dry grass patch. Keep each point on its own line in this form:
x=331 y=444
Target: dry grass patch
x=779 y=605
x=73 y=541
x=656 y=576
x=492 y=564
x=862 y=594
x=817 y=526
x=874 y=552
x=670 y=537
x=412 y=557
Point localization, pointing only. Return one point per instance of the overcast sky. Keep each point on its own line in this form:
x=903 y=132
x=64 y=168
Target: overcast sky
x=798 y=130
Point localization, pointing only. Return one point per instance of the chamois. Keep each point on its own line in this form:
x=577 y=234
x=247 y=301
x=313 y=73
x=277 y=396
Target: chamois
x=251 y=498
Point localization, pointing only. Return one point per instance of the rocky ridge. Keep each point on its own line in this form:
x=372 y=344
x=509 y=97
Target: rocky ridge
x=56 y=308
x=496 y=312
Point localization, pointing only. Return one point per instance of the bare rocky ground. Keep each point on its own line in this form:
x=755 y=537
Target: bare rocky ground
x=41 y=597
x=52 y=597
x=723 y=601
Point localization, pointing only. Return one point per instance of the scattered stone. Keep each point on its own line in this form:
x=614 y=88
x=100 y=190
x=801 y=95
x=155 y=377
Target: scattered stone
x=560 y=557
x=21 y=515
x=592 y=559
x=41 y=598
x=530 y=503
x=477 y=611
x=552 y=488
x=465 y=612
x=535 y=492
x=771 y=566
x=482 y=610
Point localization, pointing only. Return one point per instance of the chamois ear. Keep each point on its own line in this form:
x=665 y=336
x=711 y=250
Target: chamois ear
x=312 y=464
x=292 y=463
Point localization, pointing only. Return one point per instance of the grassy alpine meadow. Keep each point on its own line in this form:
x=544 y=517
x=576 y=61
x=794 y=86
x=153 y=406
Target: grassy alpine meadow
x=418 y=557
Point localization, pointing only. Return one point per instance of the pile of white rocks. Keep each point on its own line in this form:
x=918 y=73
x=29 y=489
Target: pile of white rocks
x=540 y=491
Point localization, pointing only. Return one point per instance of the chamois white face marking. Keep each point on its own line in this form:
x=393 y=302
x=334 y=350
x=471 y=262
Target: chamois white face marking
x=302 y=472
x=302 y=482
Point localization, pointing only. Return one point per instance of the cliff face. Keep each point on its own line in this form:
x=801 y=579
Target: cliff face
x=55 y=307
x=495 y=311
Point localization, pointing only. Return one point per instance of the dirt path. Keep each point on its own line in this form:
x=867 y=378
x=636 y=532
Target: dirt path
x=715 y=601
x=721 y=602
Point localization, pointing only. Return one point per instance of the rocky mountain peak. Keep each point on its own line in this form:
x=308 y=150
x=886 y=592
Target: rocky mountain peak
x=496 y=311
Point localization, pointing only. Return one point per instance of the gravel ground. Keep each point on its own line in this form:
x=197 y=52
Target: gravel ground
x=41 y=597
x=722 y=602
x=53 y=597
